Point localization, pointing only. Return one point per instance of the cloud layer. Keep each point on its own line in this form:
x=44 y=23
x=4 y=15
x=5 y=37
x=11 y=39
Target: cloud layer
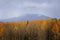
x=15 y=8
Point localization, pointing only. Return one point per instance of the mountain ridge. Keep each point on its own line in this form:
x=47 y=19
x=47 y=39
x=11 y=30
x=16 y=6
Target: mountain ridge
x=26 y=17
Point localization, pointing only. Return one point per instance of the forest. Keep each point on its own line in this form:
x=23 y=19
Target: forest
x=45 y=29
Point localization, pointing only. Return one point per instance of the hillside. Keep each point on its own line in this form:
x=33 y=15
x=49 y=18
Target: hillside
x=45 y=29
x=24 y=18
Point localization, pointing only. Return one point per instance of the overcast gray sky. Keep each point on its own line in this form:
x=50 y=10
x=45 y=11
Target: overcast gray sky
x=16 y=8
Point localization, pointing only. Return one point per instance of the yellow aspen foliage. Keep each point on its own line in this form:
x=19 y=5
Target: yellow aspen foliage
x=55 y=28
x=34 y=27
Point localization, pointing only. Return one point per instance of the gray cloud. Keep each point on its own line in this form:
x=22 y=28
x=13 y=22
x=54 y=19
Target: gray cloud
x=15 y=8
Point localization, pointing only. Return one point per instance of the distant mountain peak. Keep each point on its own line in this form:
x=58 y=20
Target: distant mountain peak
x=25 y=17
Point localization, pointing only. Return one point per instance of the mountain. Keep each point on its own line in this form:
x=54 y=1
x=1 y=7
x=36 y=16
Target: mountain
x=25 y=17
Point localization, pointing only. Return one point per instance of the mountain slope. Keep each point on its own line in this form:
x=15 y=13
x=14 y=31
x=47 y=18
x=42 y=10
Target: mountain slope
x=25 y=17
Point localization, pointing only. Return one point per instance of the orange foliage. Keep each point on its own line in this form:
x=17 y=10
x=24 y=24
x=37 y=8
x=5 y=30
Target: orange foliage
x=26 y=25
x=42 y=23
x=55 y=28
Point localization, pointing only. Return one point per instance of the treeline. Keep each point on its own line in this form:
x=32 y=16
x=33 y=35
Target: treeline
x=46 y=29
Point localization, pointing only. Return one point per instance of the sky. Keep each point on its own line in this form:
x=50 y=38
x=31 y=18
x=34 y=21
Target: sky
x=16 y=8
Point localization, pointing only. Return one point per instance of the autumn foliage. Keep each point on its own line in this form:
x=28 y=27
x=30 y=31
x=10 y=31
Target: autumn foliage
x=46 y=29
